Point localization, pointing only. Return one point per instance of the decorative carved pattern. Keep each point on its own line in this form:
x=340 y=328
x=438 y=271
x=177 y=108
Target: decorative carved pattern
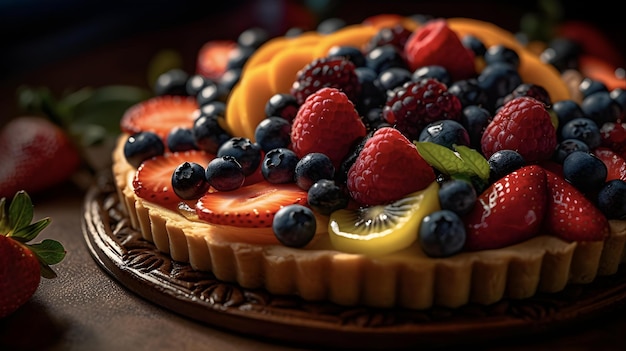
x=132 y=253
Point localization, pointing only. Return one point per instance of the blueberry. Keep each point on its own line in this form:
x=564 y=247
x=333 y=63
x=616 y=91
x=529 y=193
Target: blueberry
x=475 y=119
x=590 y=86
x=313 y=167
x=228 y=80
x=619 y=96
x=500 y=53
x=247 y=153
x=325 y=197
x=442 y=234
x=215 y=108
x=503 y=162
x=208 y=133
x=253 y=37
x=189 y=181
x=279 y=165
x=224 y=173
x=392 y=77
x=352 y=53
x=612 y=199
x=171 y=82
x=294 y=225
x=433 y=71
x=566 y=110
x=142 y=146
x=272 y=133
x=445 y=132
x=473 y=43
x=601 y=108
x=371 y=94
x=238 y=57
x=457 y=195
x=469 y=92
x=585 y=171
x=383 y=57
x=566 y=147
x=282 y=105
x=180 y=139
x=562 y=53
x=497 y=80
x=207 y=94
x=330 y=25
x=583 y=129
x=195 y=83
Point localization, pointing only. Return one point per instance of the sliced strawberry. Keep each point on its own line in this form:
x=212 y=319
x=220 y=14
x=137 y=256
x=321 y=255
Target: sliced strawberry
x=153 y=179
x=615 y=163
x=436 y=44
x=250 y=206
x=613 y=136
x=160 y=114
x=510 y=211
x=213 y=58
x=571 y=216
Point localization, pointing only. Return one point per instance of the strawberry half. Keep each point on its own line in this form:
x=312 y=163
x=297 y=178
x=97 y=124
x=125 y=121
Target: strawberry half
x=213 y=58
x=387 y=168
x=571 y=216
x=436 y=44
x=153 y=179
x=251 y=206
x=160 y=115
x=614 y=162
x=510 y=211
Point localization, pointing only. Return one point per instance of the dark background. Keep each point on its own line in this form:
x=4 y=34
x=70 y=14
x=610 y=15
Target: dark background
x=69 y=44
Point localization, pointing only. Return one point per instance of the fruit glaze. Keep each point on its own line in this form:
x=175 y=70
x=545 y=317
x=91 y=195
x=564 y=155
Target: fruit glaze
x=397 y=162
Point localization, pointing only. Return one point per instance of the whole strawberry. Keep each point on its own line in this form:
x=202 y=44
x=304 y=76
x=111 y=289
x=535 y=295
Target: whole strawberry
x=387 y=168
x=335 y=72
x=327 y=123
x=523 y=124
x=510 y=211
x=435 y=43
x=571 y=216
x=36 y=154
x=21 y=264
x=413 y=106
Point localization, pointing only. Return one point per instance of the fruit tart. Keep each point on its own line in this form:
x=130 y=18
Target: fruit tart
x=389 y=163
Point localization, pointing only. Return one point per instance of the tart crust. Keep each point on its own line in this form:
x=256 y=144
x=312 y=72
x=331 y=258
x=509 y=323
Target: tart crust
x=406 y=279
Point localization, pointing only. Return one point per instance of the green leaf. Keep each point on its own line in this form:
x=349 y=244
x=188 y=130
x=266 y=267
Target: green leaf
x=20 y=211
x=30 y=232
x=442 y=158
x=49 y=251
x=474 y=161
x=5 y=227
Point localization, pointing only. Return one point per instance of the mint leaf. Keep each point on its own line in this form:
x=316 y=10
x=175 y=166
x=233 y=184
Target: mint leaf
x=474 y=161
x=442 y=158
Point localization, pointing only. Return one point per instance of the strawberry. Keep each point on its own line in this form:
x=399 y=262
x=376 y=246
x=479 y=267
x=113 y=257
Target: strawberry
x=213 y=58
x=510 y=211
x=387 y=168
x=413 y=106
x=571 y=216
x=251 y=206
x=614 y=162
x=435 y=43
x=36 y=155
x=153 y=179
x=523 y=124
x=336 y=72
x=327 y=123
x=613 y=136
x=21 y=264
x=160 y=114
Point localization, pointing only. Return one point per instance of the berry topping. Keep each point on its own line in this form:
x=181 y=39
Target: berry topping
x=387 y=168
x=279 y=165
x=435 y=43
x=312 y=168
x=336 y=72
x=224 y=173
x=250 y=206
x=417 y=104
x=189 y=181
x=524 y=125
x=326 y=196
x=326 y=123
x=294 y=225
x=614 y=162
x=442 y=234
x=510 y=211
x=213 y=58
x=159 y=115
x=247 y=153
x=142 y=146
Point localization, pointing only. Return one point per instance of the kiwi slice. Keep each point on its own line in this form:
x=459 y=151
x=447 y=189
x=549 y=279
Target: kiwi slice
x=379 y=230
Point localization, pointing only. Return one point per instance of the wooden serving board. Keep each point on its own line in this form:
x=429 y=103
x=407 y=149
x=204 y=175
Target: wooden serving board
x=139 y=266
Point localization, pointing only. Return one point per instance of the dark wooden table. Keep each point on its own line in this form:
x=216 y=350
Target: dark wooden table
x=85 y=308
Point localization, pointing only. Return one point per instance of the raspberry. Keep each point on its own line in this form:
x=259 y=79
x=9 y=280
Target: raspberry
x=387 y=169
x=416 y=104
x=327 y=123
x=335 y=72
x=524 y=125
x=436 y=44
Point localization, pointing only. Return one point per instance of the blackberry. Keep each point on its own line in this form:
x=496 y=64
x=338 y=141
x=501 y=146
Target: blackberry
x=417 y=104
x=334 y=72
x=469 y=92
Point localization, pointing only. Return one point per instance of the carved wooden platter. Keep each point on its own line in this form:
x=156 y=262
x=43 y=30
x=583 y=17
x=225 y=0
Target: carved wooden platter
x=139 y=266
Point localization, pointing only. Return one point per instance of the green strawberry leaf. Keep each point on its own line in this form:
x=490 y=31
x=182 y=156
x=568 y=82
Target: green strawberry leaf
x=49 y=251
x=474 y=161
x=442 y=158
x=20 y=212
x=4 y=219
x=30 y=232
